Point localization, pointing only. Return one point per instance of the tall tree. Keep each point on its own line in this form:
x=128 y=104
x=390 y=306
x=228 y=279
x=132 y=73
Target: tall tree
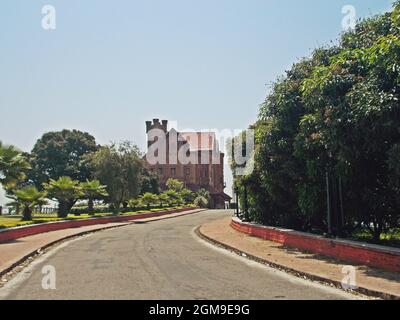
x=149 y=182
x=327 y=138
x=62 y=153
x=119 y=168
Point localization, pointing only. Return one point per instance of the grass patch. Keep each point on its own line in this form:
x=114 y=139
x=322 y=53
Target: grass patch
x=16 y=221
x=12 y=221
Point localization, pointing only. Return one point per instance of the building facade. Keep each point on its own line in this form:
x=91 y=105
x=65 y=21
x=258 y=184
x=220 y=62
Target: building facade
x=191 y=157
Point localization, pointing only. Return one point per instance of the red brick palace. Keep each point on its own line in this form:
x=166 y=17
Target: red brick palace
x=205 y=169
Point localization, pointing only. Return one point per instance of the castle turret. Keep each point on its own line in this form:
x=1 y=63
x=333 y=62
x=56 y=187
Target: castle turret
x=156 y=124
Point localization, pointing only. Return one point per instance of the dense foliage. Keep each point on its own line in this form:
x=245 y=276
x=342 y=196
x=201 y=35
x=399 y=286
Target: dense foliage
x=64 y=164
x=119 y=167
x=175 y=195
x=13 y=166
x=66 y=192
x=328 y=138
x=29 y=197
x=93 y=190
x=61 y=153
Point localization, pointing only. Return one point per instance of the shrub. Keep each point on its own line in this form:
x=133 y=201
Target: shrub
x=201 y=202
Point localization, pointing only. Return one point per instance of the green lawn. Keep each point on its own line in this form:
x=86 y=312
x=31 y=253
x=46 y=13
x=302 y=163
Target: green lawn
x=16 y=221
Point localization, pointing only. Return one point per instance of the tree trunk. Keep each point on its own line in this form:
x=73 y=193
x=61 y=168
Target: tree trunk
x=27 y=214
x=63 y=209
x=91 y=207
x=115 y=208
x=377 y=233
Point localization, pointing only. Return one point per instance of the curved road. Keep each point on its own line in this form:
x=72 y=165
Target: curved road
x=158 y=260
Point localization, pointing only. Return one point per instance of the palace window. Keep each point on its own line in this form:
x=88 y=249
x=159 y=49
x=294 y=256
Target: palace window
x=173 y=172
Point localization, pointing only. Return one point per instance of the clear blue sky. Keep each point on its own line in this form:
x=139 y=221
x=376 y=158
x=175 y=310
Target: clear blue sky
x=111 y=65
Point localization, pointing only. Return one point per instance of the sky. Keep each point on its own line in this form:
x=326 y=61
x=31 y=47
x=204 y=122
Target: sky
x=111 y=65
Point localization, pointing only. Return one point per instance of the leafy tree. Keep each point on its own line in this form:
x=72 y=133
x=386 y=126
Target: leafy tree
x=13 y=166
x=149 y=182
x=28 y=198
x=66 y=191
x=174 y=184
x=62 y=153
x=119 y=168
x=353 y=114
x=93 y=190
x=332 y=124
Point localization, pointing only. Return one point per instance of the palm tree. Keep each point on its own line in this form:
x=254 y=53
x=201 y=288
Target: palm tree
x=163 y=198
x=134 y=203
x=12 y=166
x=187 y=195
x=149 y=199
x=28 y=198
x=174 y=196
x=93 y=190
x=66 y=191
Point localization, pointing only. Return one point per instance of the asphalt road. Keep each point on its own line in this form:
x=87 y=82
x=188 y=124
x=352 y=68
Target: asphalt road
x=158 y=260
